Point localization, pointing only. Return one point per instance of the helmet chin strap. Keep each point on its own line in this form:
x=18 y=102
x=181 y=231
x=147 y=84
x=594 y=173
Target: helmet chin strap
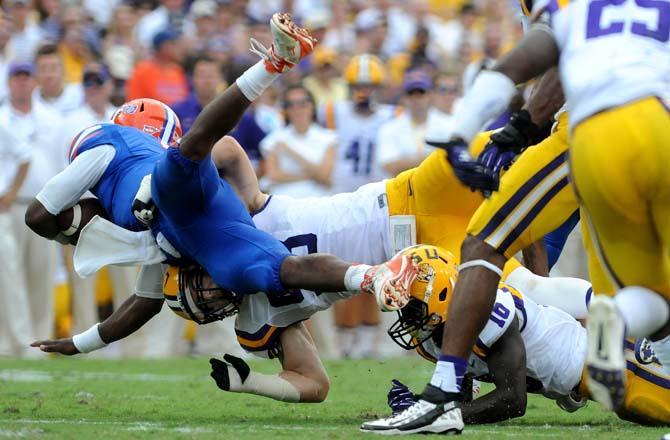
x=482 y=263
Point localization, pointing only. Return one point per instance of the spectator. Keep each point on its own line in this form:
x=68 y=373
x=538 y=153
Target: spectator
x=299 y=156
x=121 y=50
x=120 y=33
x=325 y=83
x=206 y=82
x=25 y=35
x=341 y=34
x=169 y=15
x=459 y=32
x=15 y=324
x=101 y=11
x=36 y=129
x=97 y=109
x=4 y=58
x=52 y=92
x=160 y=77
x=447 y=91
x=356 y=122
x=401 y=142
x=50 y=19
x=371 y=32
x=201 y=25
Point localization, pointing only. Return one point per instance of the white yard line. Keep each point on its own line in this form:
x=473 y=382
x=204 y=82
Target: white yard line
x=47 y=376
x=146 y=426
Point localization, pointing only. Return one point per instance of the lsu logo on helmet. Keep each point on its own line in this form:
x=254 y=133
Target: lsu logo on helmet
x=430 y=296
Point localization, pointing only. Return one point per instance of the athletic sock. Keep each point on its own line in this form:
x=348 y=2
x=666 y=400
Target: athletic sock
x=268 y=385
x=643 y=311
x=354 y=276
x=449 y=372
x=255 y=80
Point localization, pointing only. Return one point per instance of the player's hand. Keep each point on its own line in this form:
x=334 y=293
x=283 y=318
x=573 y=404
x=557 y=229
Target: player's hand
x=143 y=205
x=399 y=397
x=62 y=346
x=221 y=371
x=471 y=173
x=507 y=143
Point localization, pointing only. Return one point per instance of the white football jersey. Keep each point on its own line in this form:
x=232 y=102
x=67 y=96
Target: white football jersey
x=612 y=53
x=354 y=226
x=555 y=342
x=356 y=160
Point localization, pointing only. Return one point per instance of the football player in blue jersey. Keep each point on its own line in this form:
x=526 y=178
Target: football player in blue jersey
x=198 y=217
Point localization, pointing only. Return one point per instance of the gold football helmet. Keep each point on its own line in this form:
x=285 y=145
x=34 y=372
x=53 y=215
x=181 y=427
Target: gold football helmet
x=430 y=293
x=192 y=294
x=365 y=69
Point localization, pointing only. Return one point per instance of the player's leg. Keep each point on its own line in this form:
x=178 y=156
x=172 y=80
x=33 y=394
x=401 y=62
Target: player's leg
x=534 y=198
x=290 y=44
x=571 y=295
x=302 y=379
x=624 y=215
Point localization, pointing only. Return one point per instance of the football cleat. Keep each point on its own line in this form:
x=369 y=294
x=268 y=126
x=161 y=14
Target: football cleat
x=390 y=282
x=290 y=44
x=605 y=361
x=427 y=415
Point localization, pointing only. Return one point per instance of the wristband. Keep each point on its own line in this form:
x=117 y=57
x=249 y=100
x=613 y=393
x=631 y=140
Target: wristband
x=76 y=219
x=89 y=340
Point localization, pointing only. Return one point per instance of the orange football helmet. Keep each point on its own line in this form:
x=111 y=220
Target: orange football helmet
x=152 y=117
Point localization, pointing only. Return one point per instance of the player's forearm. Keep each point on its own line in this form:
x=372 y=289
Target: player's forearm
x=546 y=98
x=493 y=407
x=41 y=221
x=215 y=121
x=130 y=317
x=534 y=55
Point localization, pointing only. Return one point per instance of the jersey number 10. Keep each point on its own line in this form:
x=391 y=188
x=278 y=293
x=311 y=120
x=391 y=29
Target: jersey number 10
x=658 y=31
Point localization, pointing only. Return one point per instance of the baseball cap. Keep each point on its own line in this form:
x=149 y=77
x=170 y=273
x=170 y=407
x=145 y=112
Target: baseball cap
x=323 y=55
x=163 y=37
x=417 y=80
x=203 y=8
x=95 y=75
x=21 y=67
x=369 y=19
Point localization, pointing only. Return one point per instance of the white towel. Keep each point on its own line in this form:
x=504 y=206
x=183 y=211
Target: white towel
x=102 y=243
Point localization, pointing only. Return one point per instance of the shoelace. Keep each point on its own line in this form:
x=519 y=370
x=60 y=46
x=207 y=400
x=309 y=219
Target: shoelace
x=256 y=47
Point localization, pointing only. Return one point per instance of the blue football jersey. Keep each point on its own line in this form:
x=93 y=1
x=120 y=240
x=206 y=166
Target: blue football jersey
x=136 y=154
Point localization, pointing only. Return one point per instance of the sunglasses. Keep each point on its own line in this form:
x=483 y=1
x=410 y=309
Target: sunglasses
x=447 y=89
x=296 y=103
x=415 y=92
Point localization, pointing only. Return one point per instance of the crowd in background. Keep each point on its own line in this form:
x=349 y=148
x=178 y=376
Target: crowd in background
x=383 y=72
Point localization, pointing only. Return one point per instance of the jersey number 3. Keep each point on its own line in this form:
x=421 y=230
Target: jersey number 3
x=658 y=29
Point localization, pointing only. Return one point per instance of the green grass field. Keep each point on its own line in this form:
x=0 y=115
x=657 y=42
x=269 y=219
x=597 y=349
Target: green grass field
x=76 y=398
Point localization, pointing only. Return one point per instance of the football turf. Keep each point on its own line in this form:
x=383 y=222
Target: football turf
x=78 y=398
